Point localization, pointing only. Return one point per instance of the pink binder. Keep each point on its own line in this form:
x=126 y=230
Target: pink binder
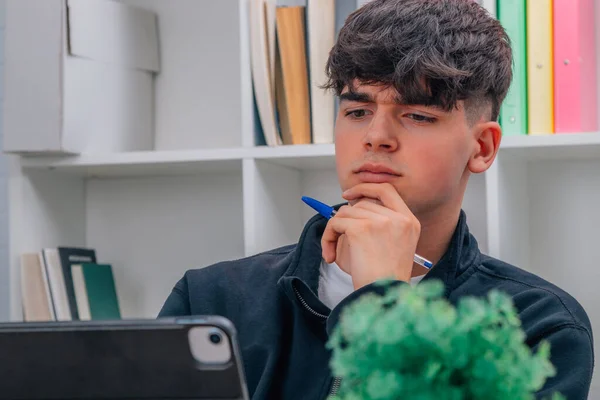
x=575 y=88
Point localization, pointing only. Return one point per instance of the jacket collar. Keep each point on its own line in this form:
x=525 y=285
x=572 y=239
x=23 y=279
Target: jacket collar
x=452 y=269
x=459 y=260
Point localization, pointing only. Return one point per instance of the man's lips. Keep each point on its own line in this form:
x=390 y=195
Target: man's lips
x=376 y=177
x=376 y=169
x=376 y=173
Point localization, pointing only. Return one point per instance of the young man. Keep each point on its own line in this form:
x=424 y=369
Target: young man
x=420 y=84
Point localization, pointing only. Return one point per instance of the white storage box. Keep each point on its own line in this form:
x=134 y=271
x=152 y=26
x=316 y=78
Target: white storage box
x=79 y=77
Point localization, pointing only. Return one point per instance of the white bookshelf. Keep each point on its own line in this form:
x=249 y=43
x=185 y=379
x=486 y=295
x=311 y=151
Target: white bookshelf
x=304 y=157
x=207 y=193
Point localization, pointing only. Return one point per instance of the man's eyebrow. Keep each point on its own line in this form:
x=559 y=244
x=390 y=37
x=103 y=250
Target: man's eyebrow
x=360 y=97
x=434 y=106
x=363 y=97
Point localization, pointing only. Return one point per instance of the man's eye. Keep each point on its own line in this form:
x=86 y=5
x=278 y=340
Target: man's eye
x=357 y=113
x=421 y=118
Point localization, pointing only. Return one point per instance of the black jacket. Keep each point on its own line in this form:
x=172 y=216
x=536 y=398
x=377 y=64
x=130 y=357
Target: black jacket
x=283 y=326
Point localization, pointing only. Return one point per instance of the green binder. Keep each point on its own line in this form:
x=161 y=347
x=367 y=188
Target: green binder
x=513 y=113
x=95 y=291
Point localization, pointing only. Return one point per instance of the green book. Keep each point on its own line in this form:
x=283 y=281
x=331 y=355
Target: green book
x=95 y=291
x=513 y=113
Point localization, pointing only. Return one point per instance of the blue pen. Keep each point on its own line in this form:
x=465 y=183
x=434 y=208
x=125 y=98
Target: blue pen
x=329 y=212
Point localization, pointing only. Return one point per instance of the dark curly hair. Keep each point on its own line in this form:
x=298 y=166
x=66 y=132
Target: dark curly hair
x=433 y=52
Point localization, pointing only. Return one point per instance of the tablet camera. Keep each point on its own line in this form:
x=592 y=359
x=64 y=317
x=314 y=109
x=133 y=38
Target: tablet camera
x=215 y=338
x=210 y=346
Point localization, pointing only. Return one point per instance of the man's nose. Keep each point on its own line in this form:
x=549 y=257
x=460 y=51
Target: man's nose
x=381 y=135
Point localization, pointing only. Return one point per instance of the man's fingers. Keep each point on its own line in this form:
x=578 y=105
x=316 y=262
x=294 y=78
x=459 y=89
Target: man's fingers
x=374 y=208
x=384 y=192
x=336 y=227
x=360 y=212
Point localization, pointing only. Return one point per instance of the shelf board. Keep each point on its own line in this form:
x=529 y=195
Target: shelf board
x=302 y=157
x=182 y=162
x=550 y=147
x=143 y=163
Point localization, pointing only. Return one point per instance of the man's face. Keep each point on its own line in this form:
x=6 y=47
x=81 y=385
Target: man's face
x=422 y=151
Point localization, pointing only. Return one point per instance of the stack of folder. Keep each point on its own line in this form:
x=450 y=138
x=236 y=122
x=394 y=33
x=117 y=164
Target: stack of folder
x=554 y=89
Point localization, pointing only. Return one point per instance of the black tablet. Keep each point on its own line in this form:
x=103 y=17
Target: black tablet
x=173 y=358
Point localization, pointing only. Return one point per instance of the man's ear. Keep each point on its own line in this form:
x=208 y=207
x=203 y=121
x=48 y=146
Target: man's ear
x=487 y=138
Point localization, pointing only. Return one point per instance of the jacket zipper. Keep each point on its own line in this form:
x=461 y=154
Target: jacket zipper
x=305 y=304
x=335 y=386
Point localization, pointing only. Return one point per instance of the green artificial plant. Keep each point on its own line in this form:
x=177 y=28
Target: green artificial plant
x=412 y=343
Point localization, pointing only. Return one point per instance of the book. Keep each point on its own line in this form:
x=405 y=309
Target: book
x=291 y=47
x=262 y=72
x=540 y=68
x=513 y=113
x=95 y=291
x=57 y=285
x=35 y=292
x=69 y=256
x=343 y=9
x=321 y=38
x=575 y=80
x=283 y=120
x=270 y=7
x=491 y=6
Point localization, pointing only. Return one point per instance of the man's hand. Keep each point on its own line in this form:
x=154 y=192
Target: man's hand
x=372 y=241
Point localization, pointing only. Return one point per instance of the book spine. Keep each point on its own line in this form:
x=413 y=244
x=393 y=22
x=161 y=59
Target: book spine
x=291 y=38
x=513 y=113
x=575 y=96
x=540 y=86
x=321 y=38
x=491 y=6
